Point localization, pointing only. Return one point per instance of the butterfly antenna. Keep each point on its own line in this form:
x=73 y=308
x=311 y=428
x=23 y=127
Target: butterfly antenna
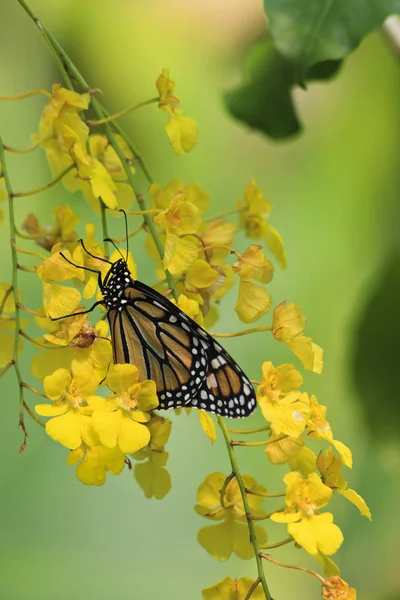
x=126 y=233
x=94 y=255
x=78 y=266
x=116 y=247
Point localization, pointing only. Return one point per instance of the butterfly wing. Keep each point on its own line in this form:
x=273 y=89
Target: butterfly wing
x=188 y=366
x=153 y=334
x=226 y=390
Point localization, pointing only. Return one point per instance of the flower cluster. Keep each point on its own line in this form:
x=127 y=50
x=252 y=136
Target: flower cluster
x=105 y=414
x=98 y=431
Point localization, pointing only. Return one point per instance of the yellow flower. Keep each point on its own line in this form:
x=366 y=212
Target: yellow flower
x=254 y=266
x=319 y=428
x=330 y=466
x=283 y=406
x=254 y=211
x=101 y=184
x=85 y=348
x=287 y=415
x=102 y=151
x=120 y=419
x=277 y=382
x=230 y=535
x=165 y=87
x=315 y=532
x=236 y=589
x=176 y=190
x=288 y=326
x=94 y=463
x=63 y=231
x=253 y=302
x=61 y=119
x=182 y=131
x=181 y=217
x=70 y=424
x=335 y=588
x=219 y=233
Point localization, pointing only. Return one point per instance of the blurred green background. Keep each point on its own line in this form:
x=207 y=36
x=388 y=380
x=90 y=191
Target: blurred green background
x=335 y=201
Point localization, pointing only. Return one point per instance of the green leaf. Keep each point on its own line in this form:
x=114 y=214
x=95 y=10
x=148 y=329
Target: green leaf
x=311 y=31
x=264 y=101
x=376 y=359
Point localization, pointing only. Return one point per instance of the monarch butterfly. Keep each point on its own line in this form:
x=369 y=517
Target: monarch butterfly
x=189 y=367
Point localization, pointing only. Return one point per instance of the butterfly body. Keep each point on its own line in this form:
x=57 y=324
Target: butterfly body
x=189 y=368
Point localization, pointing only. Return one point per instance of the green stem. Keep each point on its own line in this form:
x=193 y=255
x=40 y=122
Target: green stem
x=250 y=524
x=46 y=37
x=14 y=284
x=104 y=228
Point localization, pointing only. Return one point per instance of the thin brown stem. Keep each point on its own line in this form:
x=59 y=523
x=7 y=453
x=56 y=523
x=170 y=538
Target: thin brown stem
x=121 y=113
x=43 y=188
x=5 y=369
x=287 y=540
x=223 y=489
x=262 y=443
x=240 y=333
x=296 y=567
x=252 y=588
x=266 y=494
x=249 y=431
x=5 y=298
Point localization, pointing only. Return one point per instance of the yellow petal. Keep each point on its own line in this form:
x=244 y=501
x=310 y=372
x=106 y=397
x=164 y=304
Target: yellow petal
x=147 y=397
x=328 y=565
x=275 y=244
x=208 y=493
x=182 y=132
x=50 y=410
x=288 y=321
x=254 y=301
x=91 y=471
x=55 y=385
x=217 y=540
x=208 y=425
x=305 y=462
x=200 y=274
x=282 y=451
x=358 y=502
x=107 y=426
x=154 y=480
x=133 y=436
x=254 y=266
x=317 y=534
x=310 y=354
x=59 y=300
x=179 y=253
x=66 y=429
x=121 y=377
